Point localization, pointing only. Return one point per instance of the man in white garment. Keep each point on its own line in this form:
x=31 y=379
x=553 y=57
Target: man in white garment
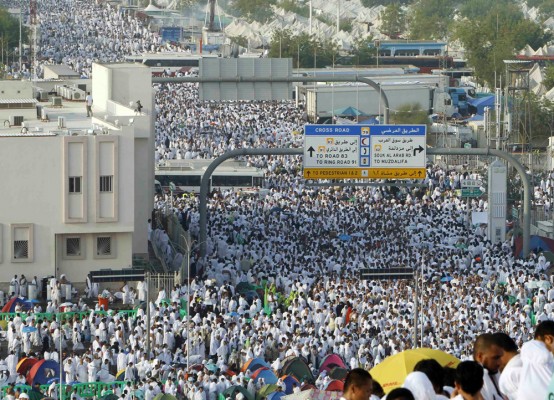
x=11 y=362
x=537 y=363
x=510 y=366
x=488 y=353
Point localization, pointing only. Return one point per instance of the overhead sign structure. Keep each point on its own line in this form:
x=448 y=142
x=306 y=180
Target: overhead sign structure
x=365 y=152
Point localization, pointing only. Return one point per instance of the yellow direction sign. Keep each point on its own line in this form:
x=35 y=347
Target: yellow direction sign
x=360 y=173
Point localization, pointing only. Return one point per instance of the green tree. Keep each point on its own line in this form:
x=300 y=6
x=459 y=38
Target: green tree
x=9 y=30
x=253 y=10
x=431 y=19
x=548 y=80
x=345 y=25
x=494 y=37
x=295 y=7
x=546 y=9
x=393 y=21
x=305 y=50
x=186 y=4
x=373 y=3
x=240 y=41
x=363 y=52
x=475 y=9
x=539 y=115
x=409 y=114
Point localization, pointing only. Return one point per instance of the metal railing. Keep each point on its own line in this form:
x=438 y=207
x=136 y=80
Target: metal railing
x=165 y=281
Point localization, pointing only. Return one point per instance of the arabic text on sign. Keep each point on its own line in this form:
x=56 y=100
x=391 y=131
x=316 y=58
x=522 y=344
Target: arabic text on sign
x=365 y=173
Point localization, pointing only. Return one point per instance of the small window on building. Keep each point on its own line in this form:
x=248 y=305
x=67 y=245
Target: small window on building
x=104 y=246
x=22 y=243
x=106 y=183
x=73 y=247
x=74 y=184
x=21 y=249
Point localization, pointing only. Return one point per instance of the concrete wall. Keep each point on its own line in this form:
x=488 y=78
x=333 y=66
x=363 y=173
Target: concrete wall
x=16 y=89
x=36 y=198
x=127 y=83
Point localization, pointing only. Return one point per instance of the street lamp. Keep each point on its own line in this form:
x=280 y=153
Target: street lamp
x=188 y=249
x=61 y=354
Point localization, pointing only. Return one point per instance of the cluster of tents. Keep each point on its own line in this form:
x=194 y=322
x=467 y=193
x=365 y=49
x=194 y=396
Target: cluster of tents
x=390 y=373
x=38 y=372
x=295 y=372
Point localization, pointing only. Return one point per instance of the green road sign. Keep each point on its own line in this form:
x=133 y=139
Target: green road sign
x=469 y=192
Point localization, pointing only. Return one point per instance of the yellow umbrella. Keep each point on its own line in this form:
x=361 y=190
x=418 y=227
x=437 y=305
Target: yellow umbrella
x=391 y=372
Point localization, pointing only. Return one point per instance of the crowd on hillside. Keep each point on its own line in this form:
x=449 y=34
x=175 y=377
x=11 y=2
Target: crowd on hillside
x=77 y=33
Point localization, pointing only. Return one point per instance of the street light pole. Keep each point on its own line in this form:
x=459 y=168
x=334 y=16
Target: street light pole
x=188 y=304
x=61 y=355
x=148 y=314
x=188 y=249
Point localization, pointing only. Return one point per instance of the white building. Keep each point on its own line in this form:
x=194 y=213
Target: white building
x=77 y=192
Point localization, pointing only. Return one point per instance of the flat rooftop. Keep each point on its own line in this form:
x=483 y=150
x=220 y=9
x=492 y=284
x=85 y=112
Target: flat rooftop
x=73 y=113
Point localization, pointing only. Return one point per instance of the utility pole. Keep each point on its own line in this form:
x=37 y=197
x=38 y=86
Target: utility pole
x=338 y=16
x=310 y=31
x=148 y=314
x=416 y=310
x=20 y=38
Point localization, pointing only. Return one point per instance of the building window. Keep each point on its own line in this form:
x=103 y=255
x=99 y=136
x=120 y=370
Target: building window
x=21 y=249
x=22 y=242
x=73 y=247
x=74 y=184
x=104 y=247
x=106 y=183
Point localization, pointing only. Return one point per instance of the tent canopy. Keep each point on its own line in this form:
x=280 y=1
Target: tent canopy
x=335 y=386
x=331 y=361
x=233 y=390
x=266 y=374
x=267 y=390
x=10 y=305
x=537 y=244
x=25 y=364
x=290 y=381
x=298 y=368
x=349 y=112
x=42 y=372
x=254 y=364
x=481 y=102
